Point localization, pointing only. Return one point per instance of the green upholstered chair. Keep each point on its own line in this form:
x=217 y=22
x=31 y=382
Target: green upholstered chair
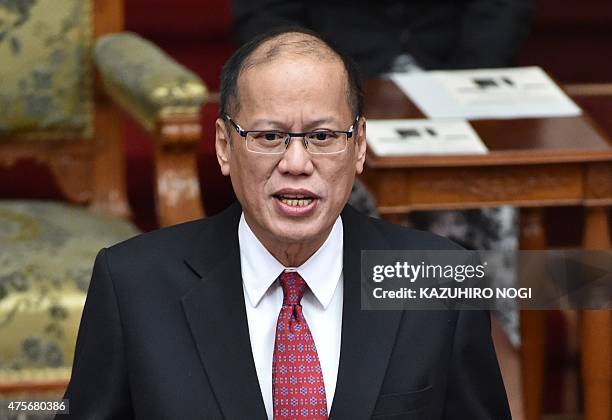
x=64 y=66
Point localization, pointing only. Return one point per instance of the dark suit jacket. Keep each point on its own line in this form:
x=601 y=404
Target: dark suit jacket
x=164 y=335
x=440 y=34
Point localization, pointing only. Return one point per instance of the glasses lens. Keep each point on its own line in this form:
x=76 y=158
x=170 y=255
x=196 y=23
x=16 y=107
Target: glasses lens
x=275 y=142
x=266 y=141
x=322 y=142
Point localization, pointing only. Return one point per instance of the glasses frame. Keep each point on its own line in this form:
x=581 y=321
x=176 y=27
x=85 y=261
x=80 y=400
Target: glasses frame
x=350 y=133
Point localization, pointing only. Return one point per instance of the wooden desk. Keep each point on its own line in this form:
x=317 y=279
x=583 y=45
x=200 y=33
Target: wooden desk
x=532 y=163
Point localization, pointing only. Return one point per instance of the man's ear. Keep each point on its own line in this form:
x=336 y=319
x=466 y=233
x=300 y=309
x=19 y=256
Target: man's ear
x=223 y=146
x=360 y=145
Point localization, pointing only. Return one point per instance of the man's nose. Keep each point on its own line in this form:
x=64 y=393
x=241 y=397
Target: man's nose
x=296 y=160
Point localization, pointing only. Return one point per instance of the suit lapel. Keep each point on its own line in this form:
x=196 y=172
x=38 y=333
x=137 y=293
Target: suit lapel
x=217 y=318
x=367 y=336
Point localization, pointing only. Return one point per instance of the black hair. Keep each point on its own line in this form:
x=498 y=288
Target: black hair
x=240 y=60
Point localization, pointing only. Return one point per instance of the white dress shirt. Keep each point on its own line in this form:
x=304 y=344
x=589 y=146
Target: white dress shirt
x=321 y=304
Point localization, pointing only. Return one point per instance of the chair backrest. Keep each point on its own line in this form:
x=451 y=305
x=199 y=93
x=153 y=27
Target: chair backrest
x=51 y=107
x=46 y=75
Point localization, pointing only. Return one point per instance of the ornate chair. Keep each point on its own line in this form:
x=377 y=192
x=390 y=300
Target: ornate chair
x=63 y=68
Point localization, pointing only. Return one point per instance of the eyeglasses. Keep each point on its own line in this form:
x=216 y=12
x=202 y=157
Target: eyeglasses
x=272 y=142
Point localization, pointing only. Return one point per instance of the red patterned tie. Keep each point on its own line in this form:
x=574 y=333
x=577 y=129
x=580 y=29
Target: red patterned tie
x=297 y=381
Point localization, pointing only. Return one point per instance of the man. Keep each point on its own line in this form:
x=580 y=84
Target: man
x=405 y=36
x=255 y=313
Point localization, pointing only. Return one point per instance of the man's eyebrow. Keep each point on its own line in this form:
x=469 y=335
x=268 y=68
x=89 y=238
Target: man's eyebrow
x=266 y=122
x=322 y=121
x=281 y=125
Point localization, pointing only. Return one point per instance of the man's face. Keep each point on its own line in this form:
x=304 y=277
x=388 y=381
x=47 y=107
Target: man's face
x=291 y=94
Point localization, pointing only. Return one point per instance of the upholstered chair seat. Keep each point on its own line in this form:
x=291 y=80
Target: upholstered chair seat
x=48 y=250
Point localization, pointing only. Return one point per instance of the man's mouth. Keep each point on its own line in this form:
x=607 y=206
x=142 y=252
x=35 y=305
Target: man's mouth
x=294 y=200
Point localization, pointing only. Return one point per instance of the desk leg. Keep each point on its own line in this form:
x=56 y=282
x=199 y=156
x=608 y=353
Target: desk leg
x=596 y=341
x=533 y=323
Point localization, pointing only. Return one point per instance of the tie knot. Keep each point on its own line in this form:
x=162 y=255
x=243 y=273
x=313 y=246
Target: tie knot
x=293 y=286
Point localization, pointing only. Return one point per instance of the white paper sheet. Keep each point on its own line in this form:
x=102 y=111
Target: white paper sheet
x=423 y=137
x=486 y=93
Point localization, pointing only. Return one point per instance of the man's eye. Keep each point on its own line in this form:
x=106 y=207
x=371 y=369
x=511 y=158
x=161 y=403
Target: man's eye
x=322 y=135
x=268 y=136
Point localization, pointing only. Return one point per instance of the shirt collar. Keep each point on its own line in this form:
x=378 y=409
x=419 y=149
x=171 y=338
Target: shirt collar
x=260 y=269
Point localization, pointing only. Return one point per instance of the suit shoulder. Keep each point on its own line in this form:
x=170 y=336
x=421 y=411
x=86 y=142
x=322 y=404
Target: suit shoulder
x=402 y=237
x=165 y=243
x=168 y=237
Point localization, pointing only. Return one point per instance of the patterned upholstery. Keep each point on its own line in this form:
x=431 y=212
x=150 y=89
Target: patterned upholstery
x=145 y=80
x=46 y=257
x=45 y=73
x=47 y=250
